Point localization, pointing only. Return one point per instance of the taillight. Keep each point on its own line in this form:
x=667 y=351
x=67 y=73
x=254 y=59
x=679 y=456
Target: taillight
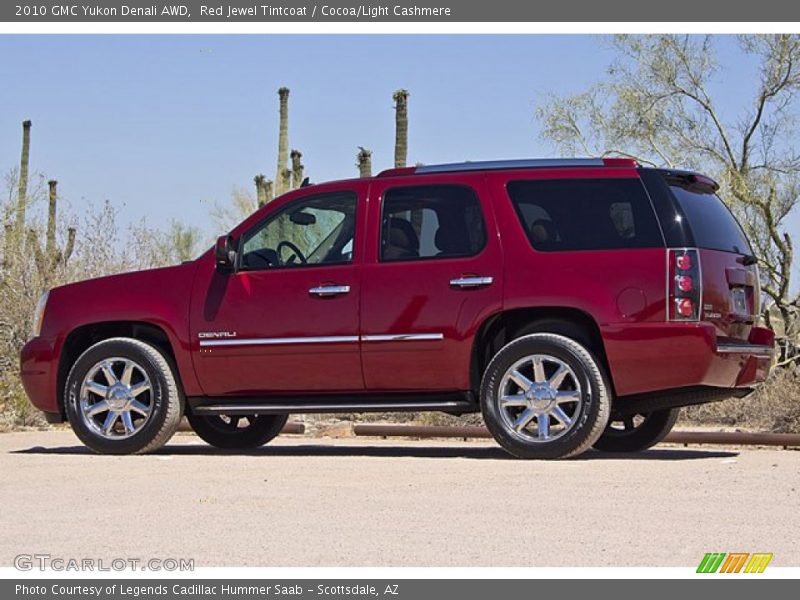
x=684 y=282
x=684 y=285
x=685 y=307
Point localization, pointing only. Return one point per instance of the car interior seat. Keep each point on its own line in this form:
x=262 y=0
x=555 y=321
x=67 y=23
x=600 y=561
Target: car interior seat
x=400 y=239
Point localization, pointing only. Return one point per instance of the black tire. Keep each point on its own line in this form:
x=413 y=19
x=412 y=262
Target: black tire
x=587 y=383
x=162 y=398
x=637 y=432
x=227 y=432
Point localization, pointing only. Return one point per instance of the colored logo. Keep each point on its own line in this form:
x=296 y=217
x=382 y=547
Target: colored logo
x=736 y=562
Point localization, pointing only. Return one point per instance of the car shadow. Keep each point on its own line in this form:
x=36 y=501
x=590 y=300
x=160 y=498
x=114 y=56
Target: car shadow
x=397 y=451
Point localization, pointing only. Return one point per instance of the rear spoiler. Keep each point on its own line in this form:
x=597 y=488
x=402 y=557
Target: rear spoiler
x=691 y=181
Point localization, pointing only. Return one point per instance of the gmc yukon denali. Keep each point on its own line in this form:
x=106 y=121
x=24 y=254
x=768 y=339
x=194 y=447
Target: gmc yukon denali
x=575 y=303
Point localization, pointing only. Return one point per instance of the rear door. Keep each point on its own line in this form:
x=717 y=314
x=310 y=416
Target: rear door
x=432 y=275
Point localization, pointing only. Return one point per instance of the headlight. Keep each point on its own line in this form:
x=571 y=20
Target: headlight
x=38 y=316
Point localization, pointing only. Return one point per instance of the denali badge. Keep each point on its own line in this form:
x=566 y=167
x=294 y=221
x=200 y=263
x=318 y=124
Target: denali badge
x=216 y=334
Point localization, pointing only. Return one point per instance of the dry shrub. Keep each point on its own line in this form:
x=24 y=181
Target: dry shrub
x=774 y=407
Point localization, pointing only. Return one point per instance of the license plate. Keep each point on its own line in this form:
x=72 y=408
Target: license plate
x=739 y=301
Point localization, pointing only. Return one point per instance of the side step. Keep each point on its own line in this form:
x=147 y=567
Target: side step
x=455 y=403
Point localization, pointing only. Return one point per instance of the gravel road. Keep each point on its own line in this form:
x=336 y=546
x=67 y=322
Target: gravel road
x=369 y=502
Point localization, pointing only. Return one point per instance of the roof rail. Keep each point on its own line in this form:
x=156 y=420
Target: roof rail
x=528 y=163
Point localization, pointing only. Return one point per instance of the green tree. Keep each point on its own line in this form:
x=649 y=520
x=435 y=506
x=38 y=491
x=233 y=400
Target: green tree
x=657 y=105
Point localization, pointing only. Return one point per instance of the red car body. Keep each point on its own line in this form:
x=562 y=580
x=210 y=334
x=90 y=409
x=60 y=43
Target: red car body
x=622 y=296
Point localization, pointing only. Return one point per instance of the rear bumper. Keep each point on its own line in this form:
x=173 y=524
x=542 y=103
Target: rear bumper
x=649 y=357
x=38 y=361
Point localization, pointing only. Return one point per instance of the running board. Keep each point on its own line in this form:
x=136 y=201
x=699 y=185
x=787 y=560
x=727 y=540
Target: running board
x=454 y=403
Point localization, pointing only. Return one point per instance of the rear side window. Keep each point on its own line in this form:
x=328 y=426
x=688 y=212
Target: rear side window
x=585 y=214
x=431 y=221
x=712 y=224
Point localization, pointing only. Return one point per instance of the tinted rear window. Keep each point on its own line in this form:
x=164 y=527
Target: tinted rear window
x=712 y=224
x=585 y=214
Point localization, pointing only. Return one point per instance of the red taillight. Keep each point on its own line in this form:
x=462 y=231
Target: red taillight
x=684 y=285
x=685 y=307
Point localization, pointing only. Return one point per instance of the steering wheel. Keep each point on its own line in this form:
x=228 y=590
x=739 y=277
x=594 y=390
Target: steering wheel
x=293 y=248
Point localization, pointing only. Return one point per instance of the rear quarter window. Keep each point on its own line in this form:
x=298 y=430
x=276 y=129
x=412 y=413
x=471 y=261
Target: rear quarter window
x=713 y=225
x=585 y=214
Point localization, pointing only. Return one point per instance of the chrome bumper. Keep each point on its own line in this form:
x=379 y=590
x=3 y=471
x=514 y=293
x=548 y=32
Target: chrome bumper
x=752 y=349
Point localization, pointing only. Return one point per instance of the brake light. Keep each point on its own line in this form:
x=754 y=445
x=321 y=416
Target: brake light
x=684 y=284
x=685 y=307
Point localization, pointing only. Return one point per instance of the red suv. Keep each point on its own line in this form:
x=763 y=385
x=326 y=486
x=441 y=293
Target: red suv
x=575 y=303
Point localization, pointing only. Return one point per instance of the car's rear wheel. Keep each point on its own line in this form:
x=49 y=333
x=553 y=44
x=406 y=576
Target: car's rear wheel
x=121 y=397
x=237 y=431
x=634 y=433
x=545 y=396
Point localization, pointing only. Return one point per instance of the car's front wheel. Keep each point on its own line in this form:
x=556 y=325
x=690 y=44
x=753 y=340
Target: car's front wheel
x=235 y=432
x=545 y=396
x=121 y=397
x=634 y=433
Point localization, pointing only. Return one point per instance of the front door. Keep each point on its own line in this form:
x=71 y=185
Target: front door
x=287 y=320
x=432 y=274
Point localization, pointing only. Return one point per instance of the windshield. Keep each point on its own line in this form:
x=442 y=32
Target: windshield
x=713 y=225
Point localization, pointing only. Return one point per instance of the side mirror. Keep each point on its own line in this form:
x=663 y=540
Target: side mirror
x=225 y=253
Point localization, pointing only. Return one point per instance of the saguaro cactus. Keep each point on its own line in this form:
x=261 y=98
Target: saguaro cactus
x=49 y=260
x=22 y=189
x=261 y=192
x=297 y=169
x=268 y=190
x=283 y=140
x=8 y=244
x=401 y=128
x=364 y=162
x=286 y=180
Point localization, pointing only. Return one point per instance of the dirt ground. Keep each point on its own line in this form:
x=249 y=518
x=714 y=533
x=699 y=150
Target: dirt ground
x=370 y=502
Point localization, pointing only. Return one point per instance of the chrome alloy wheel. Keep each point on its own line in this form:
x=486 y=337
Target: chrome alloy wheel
x=116 y=398
x=539 y=398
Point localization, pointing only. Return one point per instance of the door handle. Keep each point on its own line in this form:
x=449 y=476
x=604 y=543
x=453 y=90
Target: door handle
x=472 y=281
x=324 y=291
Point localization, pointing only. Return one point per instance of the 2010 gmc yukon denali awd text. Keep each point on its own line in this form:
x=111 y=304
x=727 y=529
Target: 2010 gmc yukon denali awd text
x=576 y=303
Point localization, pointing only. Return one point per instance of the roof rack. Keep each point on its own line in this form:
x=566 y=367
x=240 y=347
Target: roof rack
x=530 y=163
x=525 y=163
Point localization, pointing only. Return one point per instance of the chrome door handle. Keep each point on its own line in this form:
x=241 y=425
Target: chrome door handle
x=468 y=282
x=329 y=290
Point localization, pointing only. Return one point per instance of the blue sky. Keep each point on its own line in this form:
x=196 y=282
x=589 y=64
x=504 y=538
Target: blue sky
x=163 y=126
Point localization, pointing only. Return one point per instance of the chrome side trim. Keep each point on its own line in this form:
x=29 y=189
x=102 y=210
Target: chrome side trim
x=745 y=349
x=529 y=163
x=403 y=337
x=330 y=339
